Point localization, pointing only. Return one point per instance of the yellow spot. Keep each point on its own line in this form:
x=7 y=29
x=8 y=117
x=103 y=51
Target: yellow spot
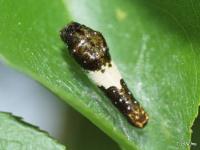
x=136 y=117
x=120 y=14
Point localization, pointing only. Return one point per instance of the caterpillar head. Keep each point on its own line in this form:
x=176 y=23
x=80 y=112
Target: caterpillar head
x=87 y=46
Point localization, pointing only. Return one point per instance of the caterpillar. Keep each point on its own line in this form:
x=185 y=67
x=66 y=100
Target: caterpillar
x=89 y=48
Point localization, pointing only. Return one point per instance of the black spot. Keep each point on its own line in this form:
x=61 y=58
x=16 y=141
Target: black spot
x=102 y=70
x=87 y=46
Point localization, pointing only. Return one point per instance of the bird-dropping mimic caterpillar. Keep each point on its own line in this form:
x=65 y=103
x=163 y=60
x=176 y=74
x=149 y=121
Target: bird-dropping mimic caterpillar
x=89 y=49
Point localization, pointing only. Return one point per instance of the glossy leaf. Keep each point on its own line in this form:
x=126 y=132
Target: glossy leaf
x=154 y=43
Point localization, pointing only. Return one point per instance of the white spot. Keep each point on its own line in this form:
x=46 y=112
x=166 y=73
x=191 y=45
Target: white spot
x=127 y=102
x=97 y=55
x=92 y=56
x=128 y=108
x=110 y=77
x=81 y=43
x=115 y=103
x=120 y=100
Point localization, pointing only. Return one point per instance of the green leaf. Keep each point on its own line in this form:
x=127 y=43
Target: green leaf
x=154 y=43
x=16 y=134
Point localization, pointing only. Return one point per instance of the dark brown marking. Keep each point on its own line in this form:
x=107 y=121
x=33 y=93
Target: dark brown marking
x=127 y=104
x=87 y=46
x=102 y=70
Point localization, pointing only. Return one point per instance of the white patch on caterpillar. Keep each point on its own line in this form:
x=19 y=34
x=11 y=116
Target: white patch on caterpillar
x=110 y=77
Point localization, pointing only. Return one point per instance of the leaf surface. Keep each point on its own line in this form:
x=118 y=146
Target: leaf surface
x=154 y=44
x=16 y=134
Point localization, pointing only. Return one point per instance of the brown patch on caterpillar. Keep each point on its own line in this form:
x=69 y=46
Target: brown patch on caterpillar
x=87 y=46
x=127 y=104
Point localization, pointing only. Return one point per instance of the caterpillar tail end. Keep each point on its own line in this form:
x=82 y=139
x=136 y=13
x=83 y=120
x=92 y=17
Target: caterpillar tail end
x=138 y=117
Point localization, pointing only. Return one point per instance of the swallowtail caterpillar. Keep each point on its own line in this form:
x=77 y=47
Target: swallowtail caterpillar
x=89 y=49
